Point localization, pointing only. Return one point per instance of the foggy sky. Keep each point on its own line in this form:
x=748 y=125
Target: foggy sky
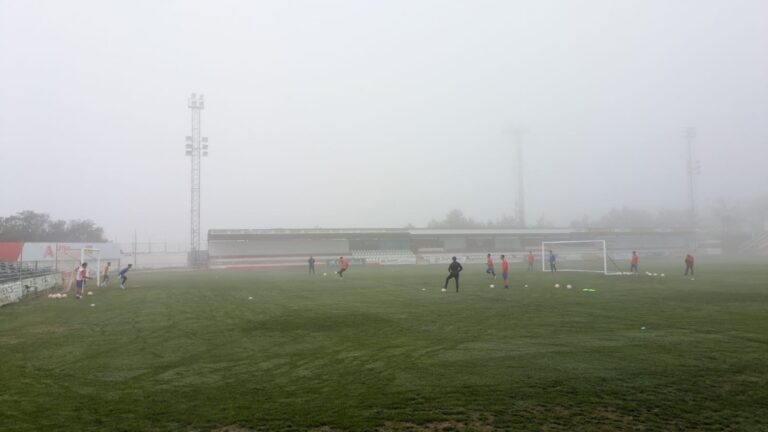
x=375 y=114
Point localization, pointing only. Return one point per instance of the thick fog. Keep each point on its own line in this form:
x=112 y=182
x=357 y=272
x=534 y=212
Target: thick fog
x=376 y=114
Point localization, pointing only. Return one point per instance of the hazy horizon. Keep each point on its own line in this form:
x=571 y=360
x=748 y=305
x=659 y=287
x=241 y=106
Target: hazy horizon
x=362 y=114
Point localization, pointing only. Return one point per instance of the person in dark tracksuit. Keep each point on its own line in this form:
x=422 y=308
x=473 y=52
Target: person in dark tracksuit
x=311 y=262
x=453 y=273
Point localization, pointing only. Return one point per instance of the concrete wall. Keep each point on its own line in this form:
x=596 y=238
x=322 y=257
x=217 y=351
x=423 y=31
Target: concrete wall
x=11 y=292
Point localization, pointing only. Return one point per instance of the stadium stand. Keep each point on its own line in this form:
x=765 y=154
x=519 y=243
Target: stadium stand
x=757 y=245
x=10 y=271
x=385 y=256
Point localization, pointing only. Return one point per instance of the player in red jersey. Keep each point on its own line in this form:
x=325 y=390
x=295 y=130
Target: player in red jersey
x=505 y=271
x=489 y=267
x=633 y=263
x=343 y=266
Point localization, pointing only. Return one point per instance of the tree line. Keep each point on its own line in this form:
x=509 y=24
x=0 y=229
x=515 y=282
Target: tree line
x=30 y=226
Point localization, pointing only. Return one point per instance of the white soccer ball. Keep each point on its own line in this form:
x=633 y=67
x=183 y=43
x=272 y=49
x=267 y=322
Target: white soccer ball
x=443 y=290
x=493 y=286
x=423 y=289
x=557 y=285
x=90 y=292
x=662 y=275
x=92 y=305
x=250 y=298
x=569 y=286
x=642 y=328
x=526 y=285
x=325 y=274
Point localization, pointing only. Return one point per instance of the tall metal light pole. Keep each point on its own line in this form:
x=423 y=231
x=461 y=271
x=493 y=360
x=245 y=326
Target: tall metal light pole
x=693 y=170
x=520 y=203
x=196 y=148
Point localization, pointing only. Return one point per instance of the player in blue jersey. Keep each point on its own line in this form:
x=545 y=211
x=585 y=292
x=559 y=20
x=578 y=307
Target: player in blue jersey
x=123 y=277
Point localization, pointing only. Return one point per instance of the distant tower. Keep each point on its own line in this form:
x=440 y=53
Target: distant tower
x=694 y=168
x=196 y=148
x=520 y=203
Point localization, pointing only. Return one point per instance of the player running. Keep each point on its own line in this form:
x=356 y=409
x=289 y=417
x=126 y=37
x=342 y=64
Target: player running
x=343 y=266
x=453 y=273
x=105 y=274
x=80 y=278
x=552 y=261
x=530 y=260
x=689 y=264
x=489 y=267
x=505 y=271
x=633 y=262
x=123 y=277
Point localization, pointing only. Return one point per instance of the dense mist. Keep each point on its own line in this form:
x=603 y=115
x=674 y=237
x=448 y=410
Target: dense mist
x=379 y=114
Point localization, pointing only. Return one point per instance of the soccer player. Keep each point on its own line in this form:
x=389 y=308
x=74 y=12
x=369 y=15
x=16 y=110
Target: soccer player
x=105 y=274
x=123 y=277
x=489 y=266
x=552 y=261
x=689 y=264
x=633 y=262
x=80 y=278
x=530 y=260
x=505 y=271
x=343 y=266
x=311 y=262
x=453 y=273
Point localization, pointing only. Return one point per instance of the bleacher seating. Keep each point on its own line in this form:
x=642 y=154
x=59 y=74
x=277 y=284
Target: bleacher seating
x=385 y=256
x=13 y=271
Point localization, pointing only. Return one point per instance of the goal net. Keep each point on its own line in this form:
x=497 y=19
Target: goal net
x=70 y=259
x=576 y=255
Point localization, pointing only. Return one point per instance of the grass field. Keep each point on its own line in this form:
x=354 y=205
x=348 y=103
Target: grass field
x=188 y=351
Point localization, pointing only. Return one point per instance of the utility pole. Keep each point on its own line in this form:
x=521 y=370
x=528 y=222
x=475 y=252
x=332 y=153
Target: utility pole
x=196 y=148
x=520 y=203
x=694 y=168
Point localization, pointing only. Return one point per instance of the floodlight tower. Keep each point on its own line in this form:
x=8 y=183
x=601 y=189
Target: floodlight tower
x=694 y=168
x=196 y=148
x=520 y=204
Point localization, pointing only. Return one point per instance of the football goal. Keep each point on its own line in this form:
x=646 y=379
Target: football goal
x=74 y=257
x=577 y=255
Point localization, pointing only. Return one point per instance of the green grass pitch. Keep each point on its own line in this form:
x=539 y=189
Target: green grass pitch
x=384 y=350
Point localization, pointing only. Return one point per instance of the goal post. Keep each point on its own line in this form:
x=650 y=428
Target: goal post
x=577 y=255
x=89 y=255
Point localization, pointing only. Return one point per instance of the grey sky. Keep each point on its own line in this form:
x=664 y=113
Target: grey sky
x=364 y=113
